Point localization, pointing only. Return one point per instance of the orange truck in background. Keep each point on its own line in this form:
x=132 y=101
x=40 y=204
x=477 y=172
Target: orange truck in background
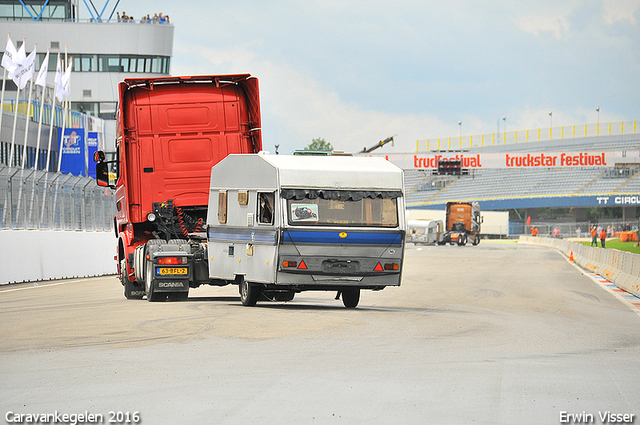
x=462 y=223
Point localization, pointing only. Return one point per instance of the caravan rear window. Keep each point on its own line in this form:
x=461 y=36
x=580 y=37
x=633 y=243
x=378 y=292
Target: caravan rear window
x=342 y=208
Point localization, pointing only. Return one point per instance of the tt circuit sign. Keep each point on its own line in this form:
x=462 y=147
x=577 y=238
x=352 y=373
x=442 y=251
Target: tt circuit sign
x=510 y=160
x=618 y=200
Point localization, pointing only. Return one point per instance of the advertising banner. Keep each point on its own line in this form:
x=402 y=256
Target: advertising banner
x=92 y=146
x=73 y=152
x=507 y=160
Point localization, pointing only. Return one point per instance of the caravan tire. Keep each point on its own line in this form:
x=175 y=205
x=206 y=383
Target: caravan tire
x=249 y=293
x=351 y=297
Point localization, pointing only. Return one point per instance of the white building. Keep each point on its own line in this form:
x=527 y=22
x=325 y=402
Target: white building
x=104 y=50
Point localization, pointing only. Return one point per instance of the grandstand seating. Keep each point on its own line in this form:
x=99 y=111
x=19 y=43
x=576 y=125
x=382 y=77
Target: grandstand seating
x=488 y=184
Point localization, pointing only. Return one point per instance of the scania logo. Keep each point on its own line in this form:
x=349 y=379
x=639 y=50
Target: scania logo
x=170 y=285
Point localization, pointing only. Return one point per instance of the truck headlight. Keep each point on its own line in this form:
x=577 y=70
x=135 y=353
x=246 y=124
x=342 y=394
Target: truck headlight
x=151 y=216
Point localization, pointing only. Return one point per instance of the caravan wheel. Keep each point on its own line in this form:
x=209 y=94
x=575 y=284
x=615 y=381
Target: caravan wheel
x=351 y=297
x=249 y=293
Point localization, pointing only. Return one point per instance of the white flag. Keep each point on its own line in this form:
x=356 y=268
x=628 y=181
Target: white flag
x=10 y=54
x=63 y=88
x=24 y=71
x=18 y=59
x=58 y=80
x=42 y=74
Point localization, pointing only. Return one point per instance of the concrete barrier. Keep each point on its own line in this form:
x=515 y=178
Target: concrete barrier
x=621 y=268
x=34 y=255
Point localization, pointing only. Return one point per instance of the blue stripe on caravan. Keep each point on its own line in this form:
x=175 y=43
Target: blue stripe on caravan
x=333 y=237
x=239 y=234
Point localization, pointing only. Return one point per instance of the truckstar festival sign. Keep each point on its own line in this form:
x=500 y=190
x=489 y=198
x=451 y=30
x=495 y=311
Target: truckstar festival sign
x=468 y=160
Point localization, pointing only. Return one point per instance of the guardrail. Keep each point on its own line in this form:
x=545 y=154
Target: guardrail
x=523 y=136
x=36 y=199
x=621 y=268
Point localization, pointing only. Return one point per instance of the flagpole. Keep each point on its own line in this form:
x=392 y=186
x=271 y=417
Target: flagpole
x=15 y=116
x=64 y=116
x=53 y=111
x=26 y=126
x=42 y=103
x=4 y=81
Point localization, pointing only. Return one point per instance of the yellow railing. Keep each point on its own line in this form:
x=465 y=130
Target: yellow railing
x=523 y=136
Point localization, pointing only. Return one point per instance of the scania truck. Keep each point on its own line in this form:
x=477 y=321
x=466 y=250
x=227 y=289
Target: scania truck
x=170 y=132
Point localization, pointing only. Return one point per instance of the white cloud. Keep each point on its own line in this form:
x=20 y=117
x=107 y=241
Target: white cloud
x=620 y=10
x=544 y=18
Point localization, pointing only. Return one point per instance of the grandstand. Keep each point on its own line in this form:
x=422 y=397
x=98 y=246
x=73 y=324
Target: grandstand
x=527 y=189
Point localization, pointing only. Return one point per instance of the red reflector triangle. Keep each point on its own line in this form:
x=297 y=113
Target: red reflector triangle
x=378 y=268
x=302 y=265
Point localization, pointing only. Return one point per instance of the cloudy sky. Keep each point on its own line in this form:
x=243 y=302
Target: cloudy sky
x=355 y=72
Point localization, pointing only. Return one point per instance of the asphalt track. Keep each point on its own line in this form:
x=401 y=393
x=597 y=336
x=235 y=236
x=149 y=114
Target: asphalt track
x=493 y=334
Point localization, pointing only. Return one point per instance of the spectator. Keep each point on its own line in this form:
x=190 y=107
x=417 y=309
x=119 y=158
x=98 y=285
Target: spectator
x=534 y=231
x=609 y=231
x=594 y=236
x=603 y=237
x=556 y=233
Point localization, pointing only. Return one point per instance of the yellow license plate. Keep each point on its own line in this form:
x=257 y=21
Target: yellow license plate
x=171 y=270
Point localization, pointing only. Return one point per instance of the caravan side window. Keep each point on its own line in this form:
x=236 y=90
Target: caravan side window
x=266 y=201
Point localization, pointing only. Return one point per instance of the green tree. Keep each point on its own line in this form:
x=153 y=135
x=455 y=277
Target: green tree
x=319 y=144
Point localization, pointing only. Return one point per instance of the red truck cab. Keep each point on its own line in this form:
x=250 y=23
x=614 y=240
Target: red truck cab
x=170 y=132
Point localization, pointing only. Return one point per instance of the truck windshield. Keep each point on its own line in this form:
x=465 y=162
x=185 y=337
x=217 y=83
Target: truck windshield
x=367 y=211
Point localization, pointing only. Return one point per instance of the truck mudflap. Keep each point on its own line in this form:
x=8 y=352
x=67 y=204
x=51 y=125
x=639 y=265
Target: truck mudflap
x=168 y=268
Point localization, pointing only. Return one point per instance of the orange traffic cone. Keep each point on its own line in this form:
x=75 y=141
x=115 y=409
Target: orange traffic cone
x=571 y=256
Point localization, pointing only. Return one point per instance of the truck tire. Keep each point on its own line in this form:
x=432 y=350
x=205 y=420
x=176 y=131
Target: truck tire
x=131 y=291
x=249 y=293
x=462 y=240
x=351 y=297
x=476 y=240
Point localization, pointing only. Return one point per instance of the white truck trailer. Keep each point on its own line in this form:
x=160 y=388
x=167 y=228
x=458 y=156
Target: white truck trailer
x=281 y=224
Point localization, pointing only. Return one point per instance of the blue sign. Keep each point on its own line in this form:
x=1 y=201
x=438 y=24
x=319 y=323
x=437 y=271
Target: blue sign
x=92 y=146
x=73 y=153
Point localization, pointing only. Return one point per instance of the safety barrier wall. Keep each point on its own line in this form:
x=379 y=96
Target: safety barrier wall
x=621 y=268
x=35 y=255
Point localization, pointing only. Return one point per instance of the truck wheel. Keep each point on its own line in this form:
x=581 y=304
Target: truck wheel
x=152 y=296
x=476 y=240
x=249 y=293
x=131 y=291
x=462 y=240
x=350 y=297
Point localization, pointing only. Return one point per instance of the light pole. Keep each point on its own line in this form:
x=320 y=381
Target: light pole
x=550 y=119
x=598 y=111
x=505 y=129
x=460 y=124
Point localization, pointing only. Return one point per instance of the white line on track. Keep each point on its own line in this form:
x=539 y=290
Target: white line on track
x=37 y=285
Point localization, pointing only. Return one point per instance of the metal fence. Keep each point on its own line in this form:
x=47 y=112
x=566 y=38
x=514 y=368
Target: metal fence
x=570 y=229
x=520 y=136
x=36 y=199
